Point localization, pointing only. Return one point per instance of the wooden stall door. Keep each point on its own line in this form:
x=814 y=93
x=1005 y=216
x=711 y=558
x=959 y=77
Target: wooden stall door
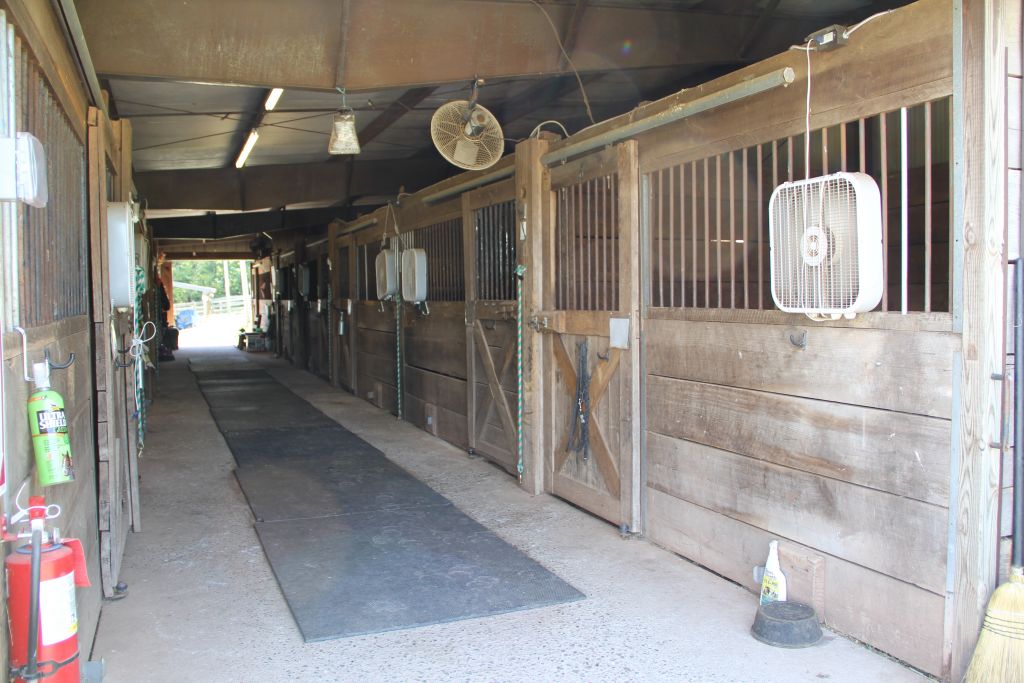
x=590 y=383
x=491 y=245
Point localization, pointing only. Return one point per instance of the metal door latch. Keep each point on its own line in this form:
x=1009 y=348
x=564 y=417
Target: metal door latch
x=539 y=324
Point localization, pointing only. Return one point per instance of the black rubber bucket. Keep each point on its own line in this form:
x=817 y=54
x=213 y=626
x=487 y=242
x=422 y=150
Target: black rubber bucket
x=786 y=624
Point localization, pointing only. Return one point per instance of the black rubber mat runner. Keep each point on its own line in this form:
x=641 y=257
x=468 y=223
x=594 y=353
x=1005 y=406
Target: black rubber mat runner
x=357 y=544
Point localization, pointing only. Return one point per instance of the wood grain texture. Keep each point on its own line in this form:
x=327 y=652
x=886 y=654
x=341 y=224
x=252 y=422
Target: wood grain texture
x=872 y=368
x=897 y=60
x=903 y=620
x=841 y=519
x=903 y=454
x=982 y=154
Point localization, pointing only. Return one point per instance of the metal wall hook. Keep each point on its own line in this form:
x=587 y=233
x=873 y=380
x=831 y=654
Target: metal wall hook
x=46 y=355
x=118 y=363
x=59 y=366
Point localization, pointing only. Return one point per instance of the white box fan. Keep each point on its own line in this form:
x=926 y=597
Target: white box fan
x=825 y=237
x=387 y=274
x=414 y=275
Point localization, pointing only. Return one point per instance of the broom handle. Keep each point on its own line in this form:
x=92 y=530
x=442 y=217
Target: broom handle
x=1018 y=414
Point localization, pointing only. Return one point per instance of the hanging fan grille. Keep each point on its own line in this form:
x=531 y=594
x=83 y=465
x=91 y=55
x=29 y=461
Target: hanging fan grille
x=469 y=150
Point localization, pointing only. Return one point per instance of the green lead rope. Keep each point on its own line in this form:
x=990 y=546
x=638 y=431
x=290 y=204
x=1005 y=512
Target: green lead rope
x=140 y=360
x=520 y=272
x=398 y=350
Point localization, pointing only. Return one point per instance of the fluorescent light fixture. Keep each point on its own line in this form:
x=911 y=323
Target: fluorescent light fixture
x=343 y=134
x=272 y=99
x=247 y=147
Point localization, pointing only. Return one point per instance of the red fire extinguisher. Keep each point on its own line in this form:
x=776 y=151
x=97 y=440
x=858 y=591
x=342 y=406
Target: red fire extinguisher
x=41 y=605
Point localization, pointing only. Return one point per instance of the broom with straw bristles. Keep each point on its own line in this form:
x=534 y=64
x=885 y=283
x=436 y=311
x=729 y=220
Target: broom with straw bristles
x=999 y=654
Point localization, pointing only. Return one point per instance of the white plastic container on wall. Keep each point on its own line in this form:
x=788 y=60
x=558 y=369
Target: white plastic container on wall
x=121 y=253
x=414 y=275
x=387 y=274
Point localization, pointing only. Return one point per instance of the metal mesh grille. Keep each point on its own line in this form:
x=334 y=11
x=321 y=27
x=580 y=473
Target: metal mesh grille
x=53 y=242
x=814 y=253
x=587 y=245
x=496 y=251
x=446 y=276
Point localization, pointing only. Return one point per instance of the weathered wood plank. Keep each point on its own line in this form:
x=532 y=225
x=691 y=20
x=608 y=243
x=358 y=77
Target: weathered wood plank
x=494 y=384
x=437 y=344
x=903 y=454
x=845 y=520
x=442 y=390
x=900 y=619
x=873 y=368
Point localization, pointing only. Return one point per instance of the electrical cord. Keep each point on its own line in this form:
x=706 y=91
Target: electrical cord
x=848 y=32
x=540 y=125
x=568 y=59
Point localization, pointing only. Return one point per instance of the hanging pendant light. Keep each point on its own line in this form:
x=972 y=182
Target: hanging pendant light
x=343 y=130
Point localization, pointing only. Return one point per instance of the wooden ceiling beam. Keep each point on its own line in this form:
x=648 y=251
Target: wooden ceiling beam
x=300 y=44
x=262 y=187
x=394 y=112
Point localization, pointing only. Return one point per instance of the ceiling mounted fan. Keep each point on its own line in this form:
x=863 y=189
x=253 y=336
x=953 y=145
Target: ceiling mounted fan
x=467 y=134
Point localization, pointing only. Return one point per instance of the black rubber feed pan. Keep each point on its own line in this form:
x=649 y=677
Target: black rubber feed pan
x=786 y=624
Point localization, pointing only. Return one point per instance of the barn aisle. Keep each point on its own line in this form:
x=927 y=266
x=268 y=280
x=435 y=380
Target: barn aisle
x=203 y=604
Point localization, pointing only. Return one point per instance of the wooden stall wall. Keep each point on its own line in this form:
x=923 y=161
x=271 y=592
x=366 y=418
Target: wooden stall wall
x=375 y=322
x=313 y=310
x=45 y=286
x=433 y=342
x=342 y=301
x=833 y=438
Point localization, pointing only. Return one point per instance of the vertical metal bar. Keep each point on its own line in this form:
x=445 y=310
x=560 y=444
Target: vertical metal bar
x=718 y=230
x=671 y=237
x=692 y=232
x=884 y=181
x=585 y=245
x=904 y=212
x=559 y=249
x=591 y=250
x=824 y=151
x=707 y=237
x=732 y=230
x=604 y=245
x=614 y=217
x=660 y=184
x=789 y=163
x=862 y=143
x=760 y=224
x=682 y=235
x=577 y=230
x=927 y=207
x=746 y=237
x=842 y=147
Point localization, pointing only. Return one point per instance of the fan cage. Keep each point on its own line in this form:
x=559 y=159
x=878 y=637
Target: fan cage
x=815 y=250
x=448 y=132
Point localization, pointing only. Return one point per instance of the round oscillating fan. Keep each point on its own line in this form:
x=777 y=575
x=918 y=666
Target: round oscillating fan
x=467 y=135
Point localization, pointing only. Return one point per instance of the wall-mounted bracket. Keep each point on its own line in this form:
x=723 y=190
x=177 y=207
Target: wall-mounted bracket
x=46 y=355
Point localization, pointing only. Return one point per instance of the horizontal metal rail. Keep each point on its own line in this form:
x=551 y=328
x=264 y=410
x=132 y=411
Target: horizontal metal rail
x=734 y=93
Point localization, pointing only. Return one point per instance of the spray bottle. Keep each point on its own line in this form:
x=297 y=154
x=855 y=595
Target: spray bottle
x=773 y=585
x=48 y=425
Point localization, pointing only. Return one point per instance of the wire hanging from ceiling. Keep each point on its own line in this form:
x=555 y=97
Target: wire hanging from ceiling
x=568 y=59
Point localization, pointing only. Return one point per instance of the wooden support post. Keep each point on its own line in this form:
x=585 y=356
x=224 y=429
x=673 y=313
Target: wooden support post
x=469 y=270
x=629 y=306
x=978 y=308
x=533 y=187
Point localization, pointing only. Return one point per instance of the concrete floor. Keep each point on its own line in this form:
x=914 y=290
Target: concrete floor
x=203 y=604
